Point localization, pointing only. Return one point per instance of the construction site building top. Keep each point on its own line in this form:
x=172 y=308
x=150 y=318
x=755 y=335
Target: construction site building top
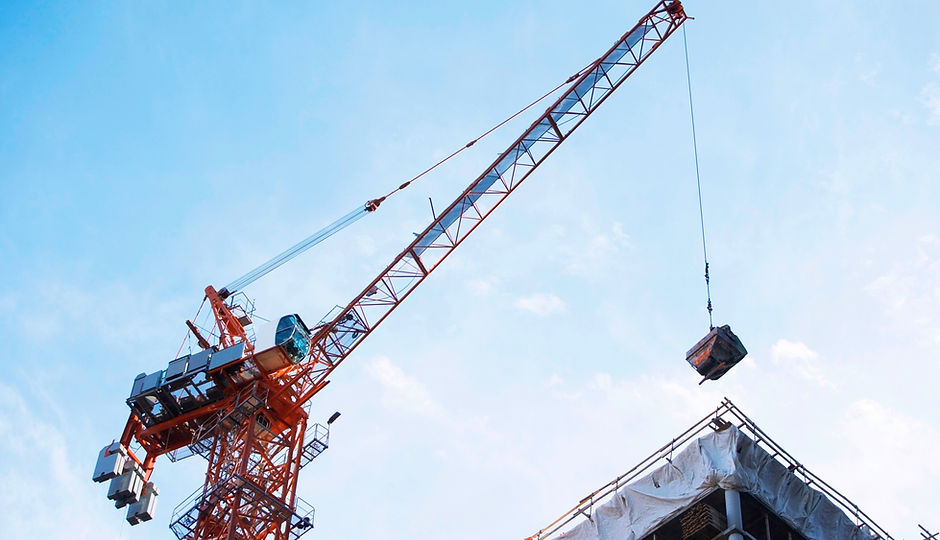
x=680 y=493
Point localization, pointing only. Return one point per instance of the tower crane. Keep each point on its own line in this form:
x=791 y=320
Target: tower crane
x=242 y=404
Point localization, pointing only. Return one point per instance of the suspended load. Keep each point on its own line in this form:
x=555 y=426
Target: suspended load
x=716 y=353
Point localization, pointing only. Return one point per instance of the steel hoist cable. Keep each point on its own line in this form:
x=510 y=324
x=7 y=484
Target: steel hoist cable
x=698 y=181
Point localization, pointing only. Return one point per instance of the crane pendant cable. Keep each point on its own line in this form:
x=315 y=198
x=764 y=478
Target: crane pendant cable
x=371 y=205
x=297 y=249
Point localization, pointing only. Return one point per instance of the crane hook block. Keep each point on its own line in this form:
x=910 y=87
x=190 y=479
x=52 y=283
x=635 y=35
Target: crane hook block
x=716 y=353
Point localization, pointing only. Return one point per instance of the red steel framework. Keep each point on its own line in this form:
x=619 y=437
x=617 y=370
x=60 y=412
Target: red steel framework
x=253 y=426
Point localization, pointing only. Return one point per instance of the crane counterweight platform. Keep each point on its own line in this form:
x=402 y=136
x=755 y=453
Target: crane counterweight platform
x=241 y=401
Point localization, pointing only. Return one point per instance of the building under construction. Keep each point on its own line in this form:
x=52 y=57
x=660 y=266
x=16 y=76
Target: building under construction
x=721 y=478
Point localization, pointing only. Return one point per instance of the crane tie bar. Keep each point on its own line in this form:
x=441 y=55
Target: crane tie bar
x=373 y=204
x=487 y=132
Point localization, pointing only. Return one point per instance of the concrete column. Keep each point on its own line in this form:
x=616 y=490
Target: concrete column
x=733 y=510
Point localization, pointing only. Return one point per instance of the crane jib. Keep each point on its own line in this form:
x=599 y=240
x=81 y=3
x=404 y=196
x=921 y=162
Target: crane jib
x=590 y=88
x=338 y=338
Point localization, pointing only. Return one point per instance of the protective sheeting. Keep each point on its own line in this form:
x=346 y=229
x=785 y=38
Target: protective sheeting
x=725 y=459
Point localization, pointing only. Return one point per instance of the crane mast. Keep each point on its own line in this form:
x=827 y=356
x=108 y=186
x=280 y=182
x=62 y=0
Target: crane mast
x=244 y=408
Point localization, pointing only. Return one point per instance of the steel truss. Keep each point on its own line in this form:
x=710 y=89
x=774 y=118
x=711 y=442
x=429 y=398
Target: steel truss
x=251 y=484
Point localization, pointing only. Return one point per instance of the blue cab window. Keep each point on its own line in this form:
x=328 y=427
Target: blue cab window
x=292 y=335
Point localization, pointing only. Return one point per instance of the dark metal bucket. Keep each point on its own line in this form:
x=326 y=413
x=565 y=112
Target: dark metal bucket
x=716 y=353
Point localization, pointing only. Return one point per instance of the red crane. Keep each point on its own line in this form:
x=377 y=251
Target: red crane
x=243 y=406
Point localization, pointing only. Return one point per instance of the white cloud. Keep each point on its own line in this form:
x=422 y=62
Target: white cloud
x=901 y=448
x=799 y=357
x=910 y=290
x=870 y=75
x=366 y=245
x=37 y=472
x=605 y=396
x=59 y=308
x=600 y=245
x=837 y=183
x=930 y=93
x=482 y=287
x=595 y=248
x=7 y=303
x=785 y=350
x=541 y=304
x=402 y=390
x=621 y=236
x=930 y=97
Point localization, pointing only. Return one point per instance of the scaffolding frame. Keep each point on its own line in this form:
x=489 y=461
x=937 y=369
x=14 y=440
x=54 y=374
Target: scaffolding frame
x=723 y=416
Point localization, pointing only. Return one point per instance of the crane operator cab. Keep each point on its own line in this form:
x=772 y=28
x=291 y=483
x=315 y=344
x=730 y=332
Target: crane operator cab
x=293 y=336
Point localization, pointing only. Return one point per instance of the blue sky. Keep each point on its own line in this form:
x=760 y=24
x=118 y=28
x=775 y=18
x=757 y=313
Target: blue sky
x=147 y=150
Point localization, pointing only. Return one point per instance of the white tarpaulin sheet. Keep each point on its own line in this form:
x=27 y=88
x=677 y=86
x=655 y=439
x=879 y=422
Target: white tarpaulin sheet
x=725 y=459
